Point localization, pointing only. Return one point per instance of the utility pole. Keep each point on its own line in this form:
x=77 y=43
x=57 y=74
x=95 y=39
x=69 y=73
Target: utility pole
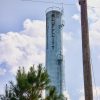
x=86 y=52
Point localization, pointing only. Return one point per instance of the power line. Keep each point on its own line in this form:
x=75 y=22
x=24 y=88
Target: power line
x=94 y=7
x=60 y=3
x=92 y=68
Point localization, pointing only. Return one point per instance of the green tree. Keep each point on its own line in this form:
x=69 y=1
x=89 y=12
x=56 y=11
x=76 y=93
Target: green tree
x=52 y=94
x=29 y=86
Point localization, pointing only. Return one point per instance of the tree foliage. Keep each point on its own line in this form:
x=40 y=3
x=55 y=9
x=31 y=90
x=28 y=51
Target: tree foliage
x=30 y=86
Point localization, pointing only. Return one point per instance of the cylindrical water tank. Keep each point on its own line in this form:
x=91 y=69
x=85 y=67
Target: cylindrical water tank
x=54 y=49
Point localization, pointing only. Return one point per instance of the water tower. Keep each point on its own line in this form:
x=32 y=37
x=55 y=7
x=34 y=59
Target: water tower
x=54 y=51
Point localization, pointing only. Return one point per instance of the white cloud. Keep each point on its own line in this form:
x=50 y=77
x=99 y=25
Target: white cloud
x=76 y=17
x=95 y=37
x=96 y=93
x=95 y=3
x=34 y=28
x=2 y=71
x=66 y=95
x=23 y=49
x=94 y=21
x=26 y=47
x=94 y=16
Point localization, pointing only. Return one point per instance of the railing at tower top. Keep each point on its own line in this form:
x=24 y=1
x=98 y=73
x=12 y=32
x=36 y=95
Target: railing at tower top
x=54 y=8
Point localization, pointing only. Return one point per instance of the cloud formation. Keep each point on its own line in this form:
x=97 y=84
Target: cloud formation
x=66 y=95
x=26 y=47
x=23 y=48
x=94 y=21
x=94 y=17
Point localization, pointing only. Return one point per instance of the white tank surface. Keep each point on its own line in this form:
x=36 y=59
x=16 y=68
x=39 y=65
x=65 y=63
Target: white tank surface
x=54 y=51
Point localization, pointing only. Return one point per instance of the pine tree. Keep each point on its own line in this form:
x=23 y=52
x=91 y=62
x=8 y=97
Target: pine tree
x=30 y=86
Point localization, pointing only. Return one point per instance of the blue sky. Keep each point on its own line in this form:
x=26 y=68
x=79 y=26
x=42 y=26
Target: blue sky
x=22 y=41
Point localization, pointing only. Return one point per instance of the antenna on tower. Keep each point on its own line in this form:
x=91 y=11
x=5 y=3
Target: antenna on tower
x=62 y=8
